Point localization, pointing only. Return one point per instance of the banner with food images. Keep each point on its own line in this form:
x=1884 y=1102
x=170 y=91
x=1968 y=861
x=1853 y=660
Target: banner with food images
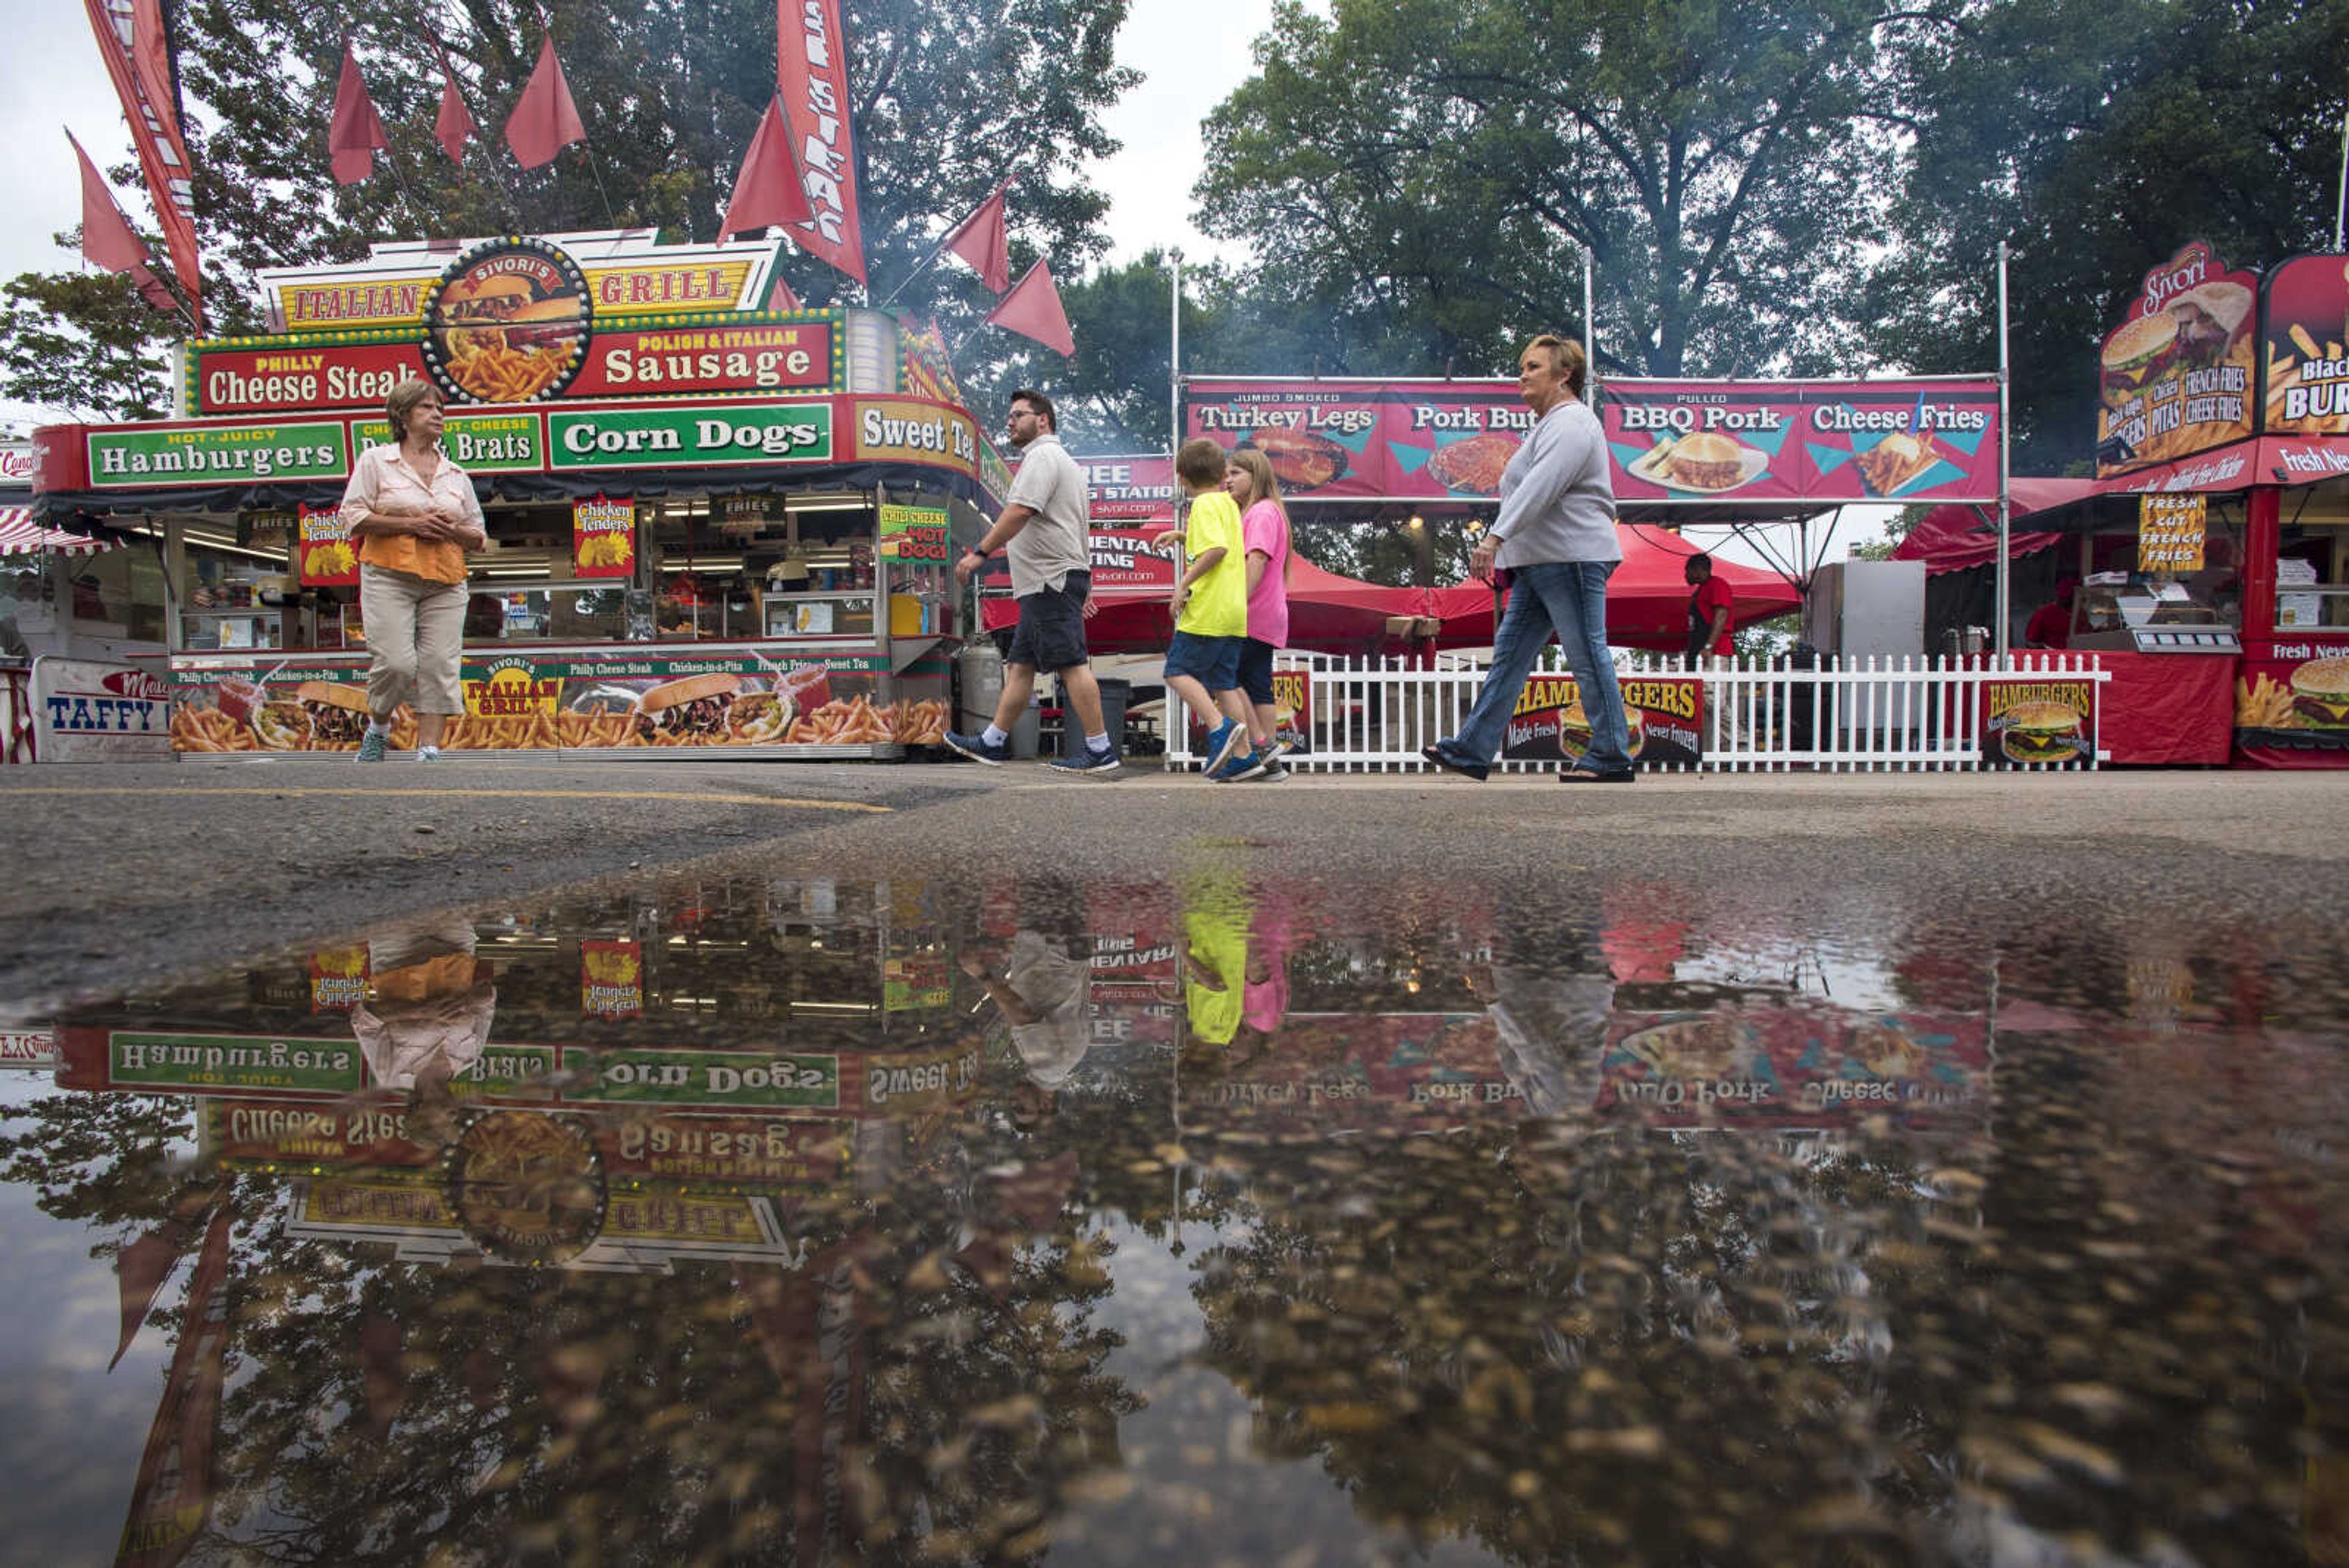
x=2039 y=722
x=1665 y=715
x=330 y=557
x=603 y=538
x=1796 y=1064
x=2304 y=335
x=559 y=699
x=1824 y=441
x=1668 y=442
x=2177 y=375
x=2292 y=706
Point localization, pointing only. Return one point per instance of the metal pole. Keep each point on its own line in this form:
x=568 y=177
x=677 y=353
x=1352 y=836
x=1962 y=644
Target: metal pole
x=2341 y=206
x=1589 y=338
x=1175 y=361
x=2005 y=438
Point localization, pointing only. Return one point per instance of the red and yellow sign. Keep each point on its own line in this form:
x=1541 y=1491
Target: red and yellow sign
x=2042 y=723
x=1664 y=713
x=2176 y=374
x=514 y=690
x=603 y=538
x=330 y=558
x=2170 y=532
x=338 y=979
x=611 y=978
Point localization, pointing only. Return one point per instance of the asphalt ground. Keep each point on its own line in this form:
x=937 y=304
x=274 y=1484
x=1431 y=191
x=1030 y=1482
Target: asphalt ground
x=128 y=876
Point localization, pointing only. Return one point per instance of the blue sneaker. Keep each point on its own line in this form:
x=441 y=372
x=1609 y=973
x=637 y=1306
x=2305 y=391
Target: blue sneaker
x=372 y=744
x=1087 y=760
x=1243 y=766
x=976 y=748
x=1222 y=741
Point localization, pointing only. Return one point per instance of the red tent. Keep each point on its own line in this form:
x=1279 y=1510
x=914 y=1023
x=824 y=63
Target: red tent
x=1952 y=538
x=1327 y=613
x=1647 y=598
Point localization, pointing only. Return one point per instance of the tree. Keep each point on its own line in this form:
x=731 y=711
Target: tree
x=84 y=346
x=1430 y=174
x=2189 y=118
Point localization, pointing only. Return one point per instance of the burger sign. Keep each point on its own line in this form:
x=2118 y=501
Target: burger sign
x=2177 y=375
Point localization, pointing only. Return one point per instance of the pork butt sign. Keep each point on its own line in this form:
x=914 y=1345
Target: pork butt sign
x=1818 y=441
x=1669 y=442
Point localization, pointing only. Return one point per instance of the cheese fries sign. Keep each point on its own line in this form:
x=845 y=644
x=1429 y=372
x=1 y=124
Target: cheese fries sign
x=2178 y=375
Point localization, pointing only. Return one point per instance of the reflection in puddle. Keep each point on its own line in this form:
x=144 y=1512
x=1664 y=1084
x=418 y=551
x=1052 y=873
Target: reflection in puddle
x=808 y=1222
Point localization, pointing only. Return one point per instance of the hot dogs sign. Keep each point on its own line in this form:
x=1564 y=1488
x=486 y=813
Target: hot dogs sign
x=1669 y=442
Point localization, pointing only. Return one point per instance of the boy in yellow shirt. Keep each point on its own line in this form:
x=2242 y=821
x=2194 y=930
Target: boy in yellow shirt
x=1210 y=604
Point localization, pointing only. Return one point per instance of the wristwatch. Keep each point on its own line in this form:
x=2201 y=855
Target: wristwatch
x=979 y=551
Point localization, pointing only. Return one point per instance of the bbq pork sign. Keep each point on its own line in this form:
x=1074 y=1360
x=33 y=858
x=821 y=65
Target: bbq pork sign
x=1822 y=441
x=2177 y=376
x=1670 y=442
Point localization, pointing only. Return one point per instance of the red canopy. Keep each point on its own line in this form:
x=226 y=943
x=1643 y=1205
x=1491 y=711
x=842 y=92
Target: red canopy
x=1131 y=584
x=1647 y=598
x=1951 y=538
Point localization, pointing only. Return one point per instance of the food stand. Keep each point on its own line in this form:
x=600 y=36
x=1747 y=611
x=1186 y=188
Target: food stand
x=710 y=524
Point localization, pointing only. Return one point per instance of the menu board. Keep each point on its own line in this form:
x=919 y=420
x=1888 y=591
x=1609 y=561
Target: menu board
x=1810 y=441
x=1669 y=442
x=2175 y=375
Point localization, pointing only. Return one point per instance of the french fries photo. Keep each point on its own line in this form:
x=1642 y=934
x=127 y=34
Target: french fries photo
x=2263 y=704
x=837 y=723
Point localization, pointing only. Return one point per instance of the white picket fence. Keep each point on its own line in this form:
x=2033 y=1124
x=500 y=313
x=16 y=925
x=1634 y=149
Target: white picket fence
x=1375 y=714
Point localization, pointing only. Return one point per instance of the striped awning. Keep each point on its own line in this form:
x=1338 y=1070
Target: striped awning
x=21 y=535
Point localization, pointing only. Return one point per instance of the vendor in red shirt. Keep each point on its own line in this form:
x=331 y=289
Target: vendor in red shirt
x=2049 y=624
x=1709 y=608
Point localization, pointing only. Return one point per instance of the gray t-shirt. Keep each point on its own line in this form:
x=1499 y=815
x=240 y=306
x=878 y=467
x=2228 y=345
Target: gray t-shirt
x=1557 y=499
x=1054 y=542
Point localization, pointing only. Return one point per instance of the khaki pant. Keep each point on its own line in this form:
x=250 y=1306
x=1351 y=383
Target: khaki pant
x=415 y=636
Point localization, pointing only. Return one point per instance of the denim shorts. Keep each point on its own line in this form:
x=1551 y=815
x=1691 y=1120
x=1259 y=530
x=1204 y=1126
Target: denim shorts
x=1215 y=661
x=1051 y=630
x=1256 y=672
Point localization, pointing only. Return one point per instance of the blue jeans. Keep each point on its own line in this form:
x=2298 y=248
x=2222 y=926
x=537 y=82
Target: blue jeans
x=1569 y=597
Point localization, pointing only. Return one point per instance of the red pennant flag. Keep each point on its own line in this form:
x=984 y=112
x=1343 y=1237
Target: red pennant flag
x=545 y=122
x=811 y=73
x=980 y=240
x=780 y=297
x=357 y=130
x=108 y=238
x=454 y=123
x=767 y=189
x=171 y=1503
x=1032 y=309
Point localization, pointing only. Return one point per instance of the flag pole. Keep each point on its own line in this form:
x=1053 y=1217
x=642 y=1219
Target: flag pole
x=2006 y=585
x=1175 y=361
x=2341 y=206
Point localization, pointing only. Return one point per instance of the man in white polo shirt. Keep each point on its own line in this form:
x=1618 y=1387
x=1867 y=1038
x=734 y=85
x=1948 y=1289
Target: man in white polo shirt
x=1043 y=533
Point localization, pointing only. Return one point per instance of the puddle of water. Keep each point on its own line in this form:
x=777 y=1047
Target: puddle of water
x=811 y=1221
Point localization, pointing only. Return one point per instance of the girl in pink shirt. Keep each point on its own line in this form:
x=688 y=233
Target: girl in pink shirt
x=1264 y=535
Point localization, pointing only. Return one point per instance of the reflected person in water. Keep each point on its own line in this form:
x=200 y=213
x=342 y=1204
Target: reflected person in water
x=1554 y=544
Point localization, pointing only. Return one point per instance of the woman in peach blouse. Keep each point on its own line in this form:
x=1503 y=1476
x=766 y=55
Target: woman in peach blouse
x=414 y=515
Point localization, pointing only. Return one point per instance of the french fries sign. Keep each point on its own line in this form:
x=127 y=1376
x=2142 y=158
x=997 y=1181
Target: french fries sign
x=603 y=538
x=2305 y=347
x=2170 y=530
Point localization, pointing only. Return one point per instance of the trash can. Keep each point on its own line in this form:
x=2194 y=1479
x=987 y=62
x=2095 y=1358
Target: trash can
x=1114 y=695
x=979 y=672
